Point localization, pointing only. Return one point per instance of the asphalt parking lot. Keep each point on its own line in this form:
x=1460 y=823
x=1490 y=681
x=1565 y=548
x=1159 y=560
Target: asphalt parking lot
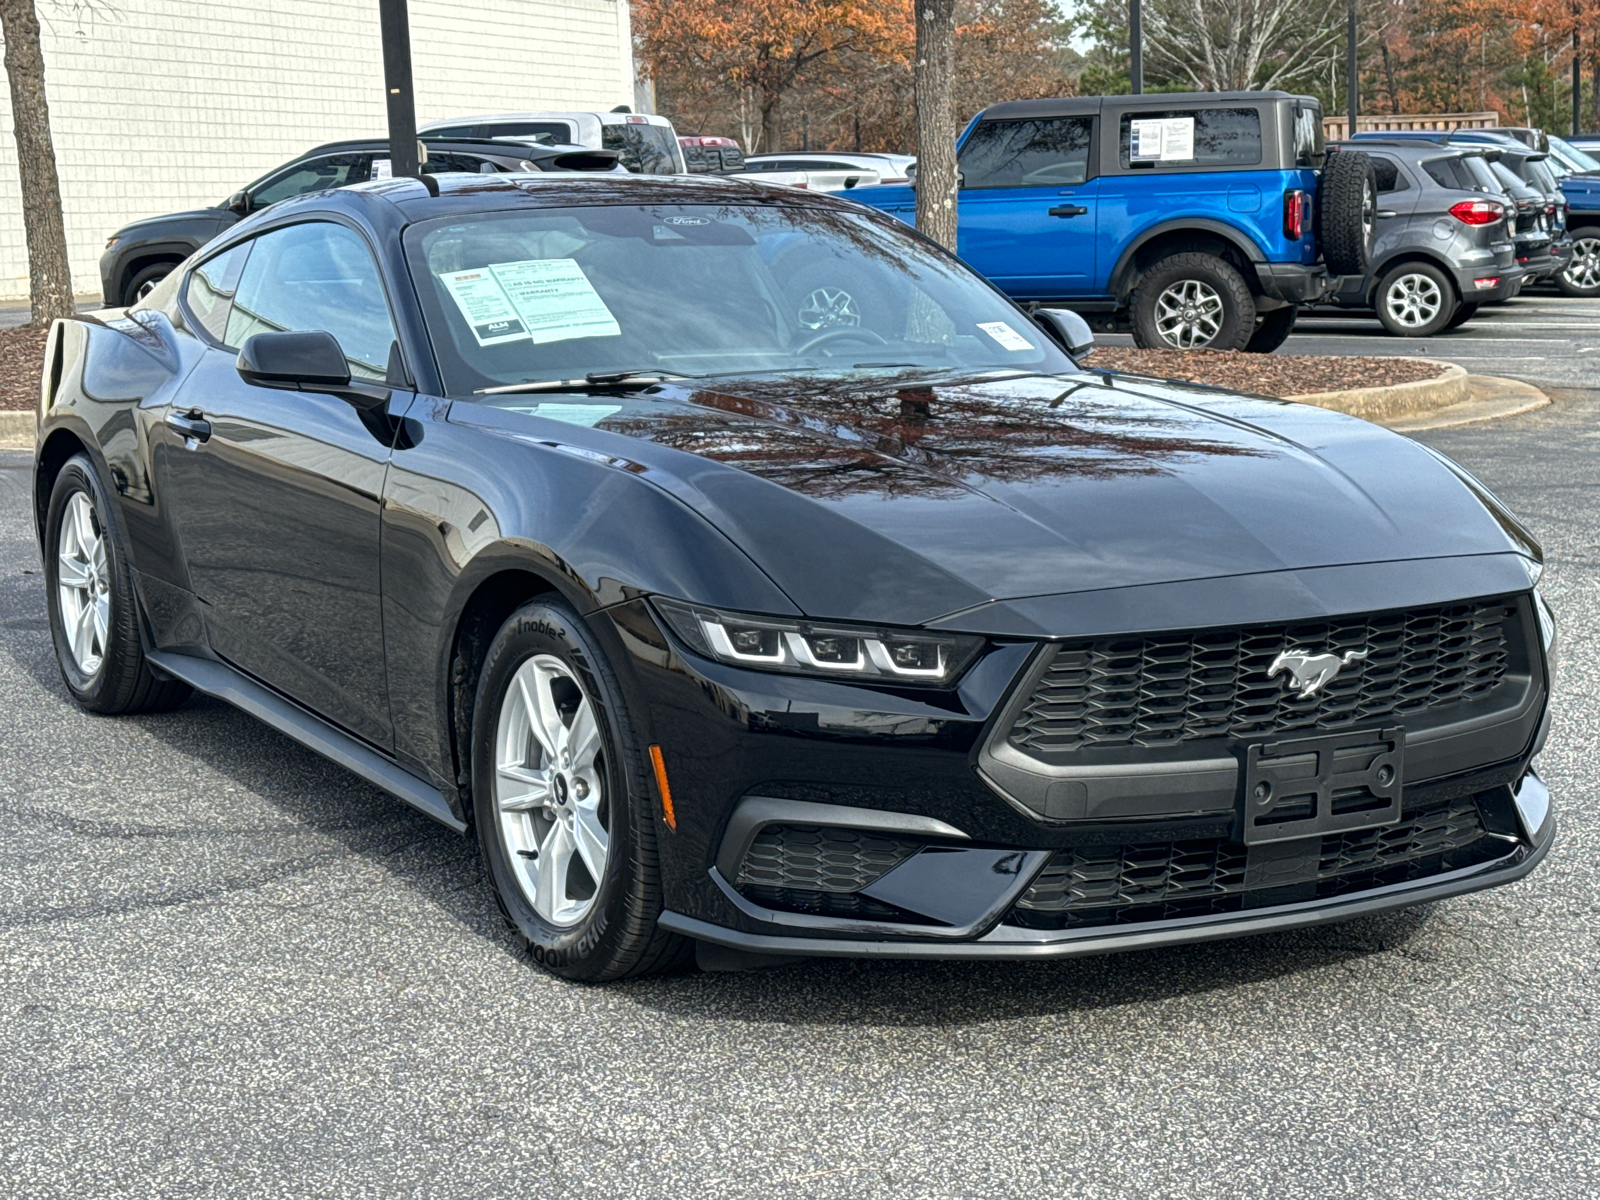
x=231 y=968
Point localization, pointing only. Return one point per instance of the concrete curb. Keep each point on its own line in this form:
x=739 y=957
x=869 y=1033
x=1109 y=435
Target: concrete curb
x=1488 y=399
x=1449 y=387
x=17 y=430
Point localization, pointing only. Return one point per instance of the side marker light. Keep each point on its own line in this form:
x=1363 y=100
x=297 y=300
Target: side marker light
x=667 y=815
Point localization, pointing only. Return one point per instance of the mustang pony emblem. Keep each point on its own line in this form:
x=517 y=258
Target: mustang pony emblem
x=1312 y=672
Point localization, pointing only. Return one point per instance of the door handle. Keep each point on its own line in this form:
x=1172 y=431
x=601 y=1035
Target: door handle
x=191 y=426
x=1068 y=210
x=1384 y=212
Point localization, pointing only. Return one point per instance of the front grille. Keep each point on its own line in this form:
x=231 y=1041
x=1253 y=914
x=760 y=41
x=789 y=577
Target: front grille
x=1157 y=881
x=1162 y=689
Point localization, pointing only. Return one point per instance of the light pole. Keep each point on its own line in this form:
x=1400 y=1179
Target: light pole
x=396 y=27
x=1136 y=47
x=1354 y=82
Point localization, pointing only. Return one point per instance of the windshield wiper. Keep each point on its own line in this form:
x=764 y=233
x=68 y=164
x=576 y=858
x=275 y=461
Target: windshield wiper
x=593 y=381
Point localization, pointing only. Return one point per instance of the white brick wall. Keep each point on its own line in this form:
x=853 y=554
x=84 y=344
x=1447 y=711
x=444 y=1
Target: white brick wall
x=174 y=104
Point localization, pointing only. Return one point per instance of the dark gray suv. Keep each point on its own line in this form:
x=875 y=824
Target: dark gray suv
x=1444 y=242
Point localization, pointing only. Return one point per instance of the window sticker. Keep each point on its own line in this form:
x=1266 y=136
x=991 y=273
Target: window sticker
x=1005 y=335
x=1161 y=139
x=381 y=169
x=485 y=305
x=555 y=300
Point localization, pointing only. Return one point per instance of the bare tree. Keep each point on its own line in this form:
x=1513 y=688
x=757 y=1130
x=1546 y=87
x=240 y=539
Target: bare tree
x=1225 y=45
x=934 y=90
x=49 y=276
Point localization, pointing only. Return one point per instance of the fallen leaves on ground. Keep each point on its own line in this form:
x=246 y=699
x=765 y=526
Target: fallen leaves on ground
x=21 y=362
x=1262 y=374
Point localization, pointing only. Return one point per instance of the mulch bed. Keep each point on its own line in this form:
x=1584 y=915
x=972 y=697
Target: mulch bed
x=21 y=361
x=1262 y=374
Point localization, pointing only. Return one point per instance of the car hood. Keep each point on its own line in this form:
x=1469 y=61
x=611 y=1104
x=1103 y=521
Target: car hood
x=906 y=503
x=207 y=220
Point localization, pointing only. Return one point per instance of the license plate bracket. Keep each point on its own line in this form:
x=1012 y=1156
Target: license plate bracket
x=1332 y=783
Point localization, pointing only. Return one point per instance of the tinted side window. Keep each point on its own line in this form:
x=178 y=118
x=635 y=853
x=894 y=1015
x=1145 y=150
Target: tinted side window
x=645 y=149
x=1309 y=149
x=1448 y=172
x=447 y=164
x=209 y=291
x=316 y=276
x=1038 y=152
x=1390 y=177
x=334 y=171
x=1222 y=137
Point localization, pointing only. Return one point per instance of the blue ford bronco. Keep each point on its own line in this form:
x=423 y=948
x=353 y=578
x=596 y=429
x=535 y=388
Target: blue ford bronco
x=1198 y=219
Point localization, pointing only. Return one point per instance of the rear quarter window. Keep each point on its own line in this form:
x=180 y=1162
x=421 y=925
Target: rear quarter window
x=1222 y=137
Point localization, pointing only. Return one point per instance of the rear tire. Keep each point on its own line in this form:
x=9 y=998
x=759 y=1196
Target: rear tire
x=1582 y=275
x=1192 y=302
x=1272 y=330
x=94 y=611
x=1415 y=299
x=562 y=802
x=1464 y=313
x=1347 y=212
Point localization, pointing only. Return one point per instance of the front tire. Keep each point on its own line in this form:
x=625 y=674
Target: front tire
x=1415 y=299
x=1193 y=302
x=1582 y=274
x=562 y=803
x=94 y=614
x=1272 y=330
x=144 y=282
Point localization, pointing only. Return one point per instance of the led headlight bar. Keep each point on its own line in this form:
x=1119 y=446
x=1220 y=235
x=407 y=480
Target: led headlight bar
x=829 y=649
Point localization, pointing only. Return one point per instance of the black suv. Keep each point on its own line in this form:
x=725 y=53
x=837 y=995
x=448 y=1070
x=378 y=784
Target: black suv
x=140 y=255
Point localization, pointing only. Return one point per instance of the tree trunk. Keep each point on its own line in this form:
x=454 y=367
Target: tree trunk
x=771 y=134
x=49 y=277
x=934 y=88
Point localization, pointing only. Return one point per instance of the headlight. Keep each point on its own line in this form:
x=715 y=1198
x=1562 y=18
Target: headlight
x=823 y=648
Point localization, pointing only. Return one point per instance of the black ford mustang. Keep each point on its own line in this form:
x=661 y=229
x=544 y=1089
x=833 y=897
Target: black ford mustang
x=746 y=573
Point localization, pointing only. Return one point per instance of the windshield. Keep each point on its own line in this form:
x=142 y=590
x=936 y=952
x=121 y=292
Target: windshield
x=696 y=290
x=1571 y=157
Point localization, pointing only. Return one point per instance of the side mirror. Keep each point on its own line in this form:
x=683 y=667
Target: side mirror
x=305 y=361
x=1067 y=329
x=238 y=203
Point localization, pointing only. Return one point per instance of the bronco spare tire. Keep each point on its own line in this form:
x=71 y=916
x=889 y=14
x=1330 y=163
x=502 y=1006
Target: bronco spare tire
x=1347 y=209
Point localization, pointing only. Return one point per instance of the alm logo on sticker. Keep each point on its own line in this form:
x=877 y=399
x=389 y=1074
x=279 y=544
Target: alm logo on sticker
x=686 y=220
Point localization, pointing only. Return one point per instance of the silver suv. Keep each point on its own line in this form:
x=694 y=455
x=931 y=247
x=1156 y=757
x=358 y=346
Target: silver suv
x=1445 y=239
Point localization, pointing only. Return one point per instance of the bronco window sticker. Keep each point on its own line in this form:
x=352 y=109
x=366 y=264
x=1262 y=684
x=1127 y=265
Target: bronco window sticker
x=538 y=300
x=1162 y=139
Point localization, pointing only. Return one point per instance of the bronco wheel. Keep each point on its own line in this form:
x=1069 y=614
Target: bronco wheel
x=1272 y=329
x=1582 y=276
x=1415 y=300
x=93 y=611
x=1193 y=302
x=562 y=803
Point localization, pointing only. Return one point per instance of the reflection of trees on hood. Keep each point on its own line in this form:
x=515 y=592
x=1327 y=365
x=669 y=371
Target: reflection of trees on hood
x=922 y=440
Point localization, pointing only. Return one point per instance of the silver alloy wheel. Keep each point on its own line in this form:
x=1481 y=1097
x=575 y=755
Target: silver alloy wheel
x=1413 y=300
x=1188 y=314
x=827 y=307
x=83 y=584
x=1584 y=269
x=549 y=789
